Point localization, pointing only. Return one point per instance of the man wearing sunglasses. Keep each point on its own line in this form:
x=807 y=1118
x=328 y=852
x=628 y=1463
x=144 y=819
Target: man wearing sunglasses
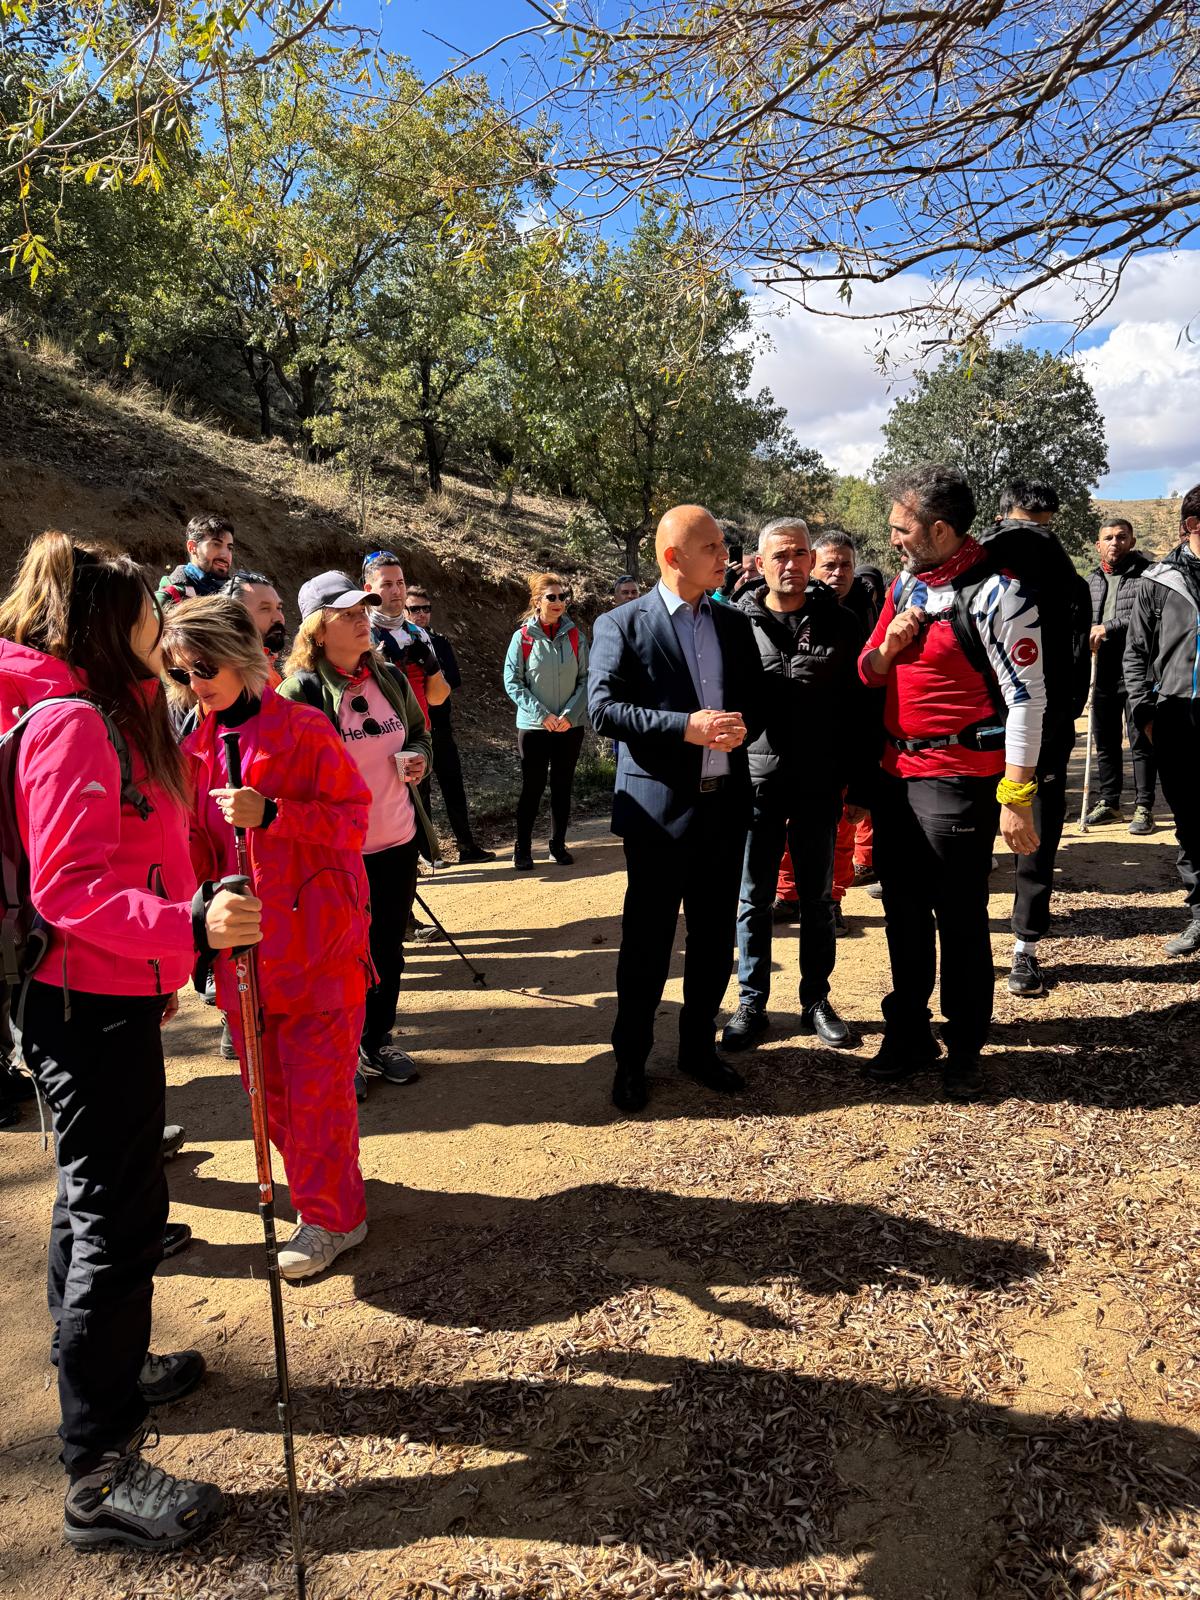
x=447 y=764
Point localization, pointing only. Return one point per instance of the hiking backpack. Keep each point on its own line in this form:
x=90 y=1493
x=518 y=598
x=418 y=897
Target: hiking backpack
x=966 y=587
x=527 y=641
x=24 y=937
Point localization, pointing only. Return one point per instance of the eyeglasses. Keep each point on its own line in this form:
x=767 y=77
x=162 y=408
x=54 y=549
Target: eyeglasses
x=557 y=599
x=416 y=607
x=370 y=726
x=198 y=669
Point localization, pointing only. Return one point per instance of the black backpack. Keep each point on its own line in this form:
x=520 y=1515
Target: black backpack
x=23 y=935
x=966 y=586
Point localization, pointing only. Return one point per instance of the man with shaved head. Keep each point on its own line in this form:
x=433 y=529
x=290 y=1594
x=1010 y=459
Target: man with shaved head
x=678 y=683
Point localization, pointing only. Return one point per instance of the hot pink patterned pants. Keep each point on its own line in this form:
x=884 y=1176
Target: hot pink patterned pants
x=309 y=1060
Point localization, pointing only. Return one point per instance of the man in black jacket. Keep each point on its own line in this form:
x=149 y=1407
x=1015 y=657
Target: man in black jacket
x=447 y=764
x=1162 y=679
x=799 y=765
x=1022 y=543
x=1113 y=585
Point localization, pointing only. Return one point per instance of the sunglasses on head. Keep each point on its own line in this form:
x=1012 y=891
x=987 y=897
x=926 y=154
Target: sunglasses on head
x=198 y=669
x=369 y=726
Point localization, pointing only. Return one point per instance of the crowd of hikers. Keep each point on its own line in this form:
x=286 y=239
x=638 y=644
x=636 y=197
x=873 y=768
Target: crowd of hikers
x=786 y=723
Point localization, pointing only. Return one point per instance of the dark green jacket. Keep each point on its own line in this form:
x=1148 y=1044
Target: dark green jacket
x=326 y=694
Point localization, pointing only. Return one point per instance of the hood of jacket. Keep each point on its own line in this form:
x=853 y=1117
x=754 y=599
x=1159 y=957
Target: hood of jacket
x=27 y=676
x=565 y=623
x=752 y=601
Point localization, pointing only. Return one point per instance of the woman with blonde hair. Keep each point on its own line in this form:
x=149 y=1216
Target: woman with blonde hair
x=305 y=810
x=545 y=676
x=96 y=807
x=376 y=714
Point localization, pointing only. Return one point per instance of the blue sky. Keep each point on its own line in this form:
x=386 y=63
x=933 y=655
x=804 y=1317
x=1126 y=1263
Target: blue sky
x=1140 y=358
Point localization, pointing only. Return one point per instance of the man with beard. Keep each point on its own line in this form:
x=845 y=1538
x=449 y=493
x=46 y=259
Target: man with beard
x=261 y=599
x=958 y=651
x=1113 y=587
x=209 y=562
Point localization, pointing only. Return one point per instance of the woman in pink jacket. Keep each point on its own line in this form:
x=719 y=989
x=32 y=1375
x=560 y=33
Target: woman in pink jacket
x=112 y=886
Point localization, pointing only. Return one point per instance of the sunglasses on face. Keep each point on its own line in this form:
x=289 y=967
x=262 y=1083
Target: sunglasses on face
x=370 y=726
x=198 y=669
x=420 y=608
x=555 y=599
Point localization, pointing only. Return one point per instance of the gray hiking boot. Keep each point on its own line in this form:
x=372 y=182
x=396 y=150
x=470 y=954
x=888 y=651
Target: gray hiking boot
x=311 y=1249
x=129 y=1501
x=170 y=1377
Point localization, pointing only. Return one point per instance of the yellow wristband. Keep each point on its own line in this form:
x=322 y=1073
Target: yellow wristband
x=1016 y=794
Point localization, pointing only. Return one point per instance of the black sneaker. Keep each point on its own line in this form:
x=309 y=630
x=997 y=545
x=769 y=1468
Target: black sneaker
x=863 y=875
x=522 y=860
x=473 y=855
x=840 y=926
x=129 y=1501
x=963 y=1079
x=785 y=911
x=823 y=1021
x=167 y=1378
x=1185 y=943
x=1143 y=820
x=1103 y=813
x=897 y=1059
x=746 y=1025
x=561 y=854
x=389 y=1062
x=1026 y=978
x=176 y=1237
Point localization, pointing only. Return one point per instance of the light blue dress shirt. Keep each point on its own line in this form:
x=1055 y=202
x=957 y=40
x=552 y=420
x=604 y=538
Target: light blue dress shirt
x=697 y=635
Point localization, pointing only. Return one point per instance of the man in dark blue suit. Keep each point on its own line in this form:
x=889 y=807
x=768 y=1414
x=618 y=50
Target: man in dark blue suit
x=678 y=682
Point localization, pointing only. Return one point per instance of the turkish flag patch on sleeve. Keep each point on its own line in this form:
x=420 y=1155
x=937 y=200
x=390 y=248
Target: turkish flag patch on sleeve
x=1025 y=652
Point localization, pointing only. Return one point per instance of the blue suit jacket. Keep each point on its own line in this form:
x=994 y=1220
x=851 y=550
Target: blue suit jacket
x=640 y=693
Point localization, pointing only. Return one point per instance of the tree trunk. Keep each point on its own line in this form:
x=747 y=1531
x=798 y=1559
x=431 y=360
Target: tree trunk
x=633 y=544
x=435 y=450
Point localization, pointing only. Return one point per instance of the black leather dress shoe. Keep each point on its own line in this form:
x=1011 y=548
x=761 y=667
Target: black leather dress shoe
x=711 y=1071
x=629 y=1092
x=963 y=1079
x=824 y=1021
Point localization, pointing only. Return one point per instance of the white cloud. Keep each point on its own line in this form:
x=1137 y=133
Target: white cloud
x=1145 y=370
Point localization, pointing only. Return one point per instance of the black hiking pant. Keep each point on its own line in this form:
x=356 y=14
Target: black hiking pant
x=933 y=853
x=1110 y=710
x=543 y=752
x=392 y=875
x=447 y=769
x=1176 y=730
x=1035 y=873
x=101 y=1074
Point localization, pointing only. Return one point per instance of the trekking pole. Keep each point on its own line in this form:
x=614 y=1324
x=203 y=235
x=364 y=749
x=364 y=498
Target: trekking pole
x=480 y=980
x=1087 y=757
x=246 y=968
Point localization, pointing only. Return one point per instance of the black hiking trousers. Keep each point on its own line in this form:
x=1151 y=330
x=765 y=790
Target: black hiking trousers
x=101 y=1074
x=1035 y=873
x=933 y=853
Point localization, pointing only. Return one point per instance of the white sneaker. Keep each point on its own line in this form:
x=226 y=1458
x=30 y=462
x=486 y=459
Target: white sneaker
x=311 y=1249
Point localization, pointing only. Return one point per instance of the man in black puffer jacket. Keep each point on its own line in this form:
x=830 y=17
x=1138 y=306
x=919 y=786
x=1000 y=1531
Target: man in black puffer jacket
x=812 y=745
x=1023 y=544
x=1113 y=586
x=1162 y=679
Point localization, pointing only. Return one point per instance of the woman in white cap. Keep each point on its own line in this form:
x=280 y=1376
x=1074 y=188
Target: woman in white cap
x=334 y=667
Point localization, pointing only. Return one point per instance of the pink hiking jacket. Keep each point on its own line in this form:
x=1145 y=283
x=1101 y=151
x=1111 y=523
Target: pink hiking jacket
x=115 y=891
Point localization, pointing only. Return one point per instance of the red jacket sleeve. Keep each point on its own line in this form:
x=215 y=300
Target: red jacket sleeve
x=69 y=780
x=873 y=680
x=339 y=809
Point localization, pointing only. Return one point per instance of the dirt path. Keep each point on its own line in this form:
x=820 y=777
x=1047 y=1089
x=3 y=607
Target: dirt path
x=815 y=1342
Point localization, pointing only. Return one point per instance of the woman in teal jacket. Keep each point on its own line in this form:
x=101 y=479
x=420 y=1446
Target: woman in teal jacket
x=545 y=676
